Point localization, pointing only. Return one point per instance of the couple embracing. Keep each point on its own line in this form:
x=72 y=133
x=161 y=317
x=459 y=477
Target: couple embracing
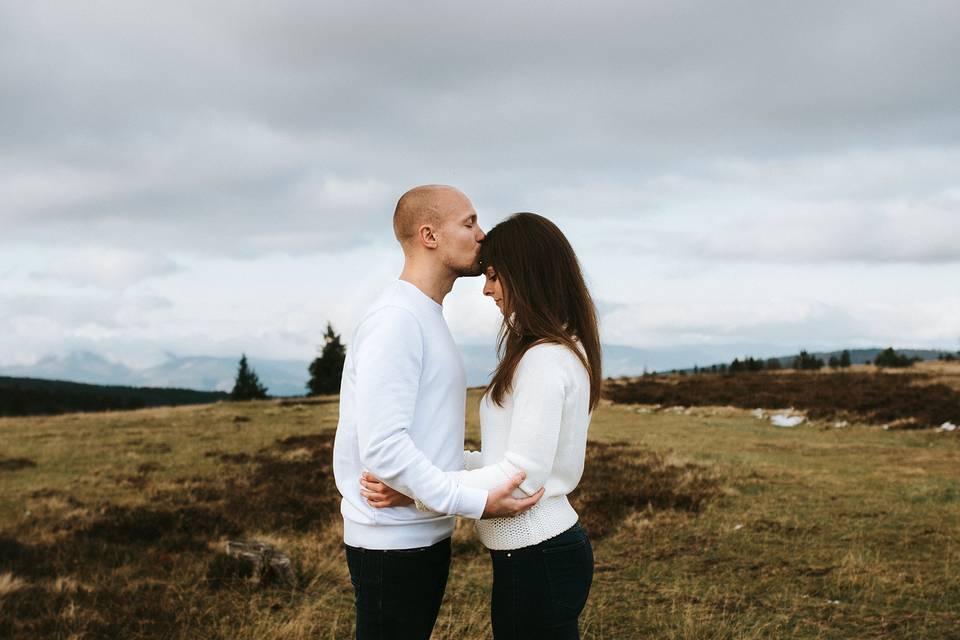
x=398 y=456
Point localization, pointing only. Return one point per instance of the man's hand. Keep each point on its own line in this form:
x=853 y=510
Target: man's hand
x=380 y=495
x=502 y=504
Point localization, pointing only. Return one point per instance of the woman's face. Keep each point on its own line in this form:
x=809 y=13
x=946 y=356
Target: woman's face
x=493 y=288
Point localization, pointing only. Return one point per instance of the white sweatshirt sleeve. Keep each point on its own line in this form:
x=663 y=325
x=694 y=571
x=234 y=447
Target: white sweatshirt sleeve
x=538 y=396
x=388 y=366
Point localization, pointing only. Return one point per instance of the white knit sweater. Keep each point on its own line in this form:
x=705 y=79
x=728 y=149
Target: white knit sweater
x=540 y=429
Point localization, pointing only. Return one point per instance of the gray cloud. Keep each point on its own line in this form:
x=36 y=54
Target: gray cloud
x=897 y=233
x=108 y=269
x=218 y=128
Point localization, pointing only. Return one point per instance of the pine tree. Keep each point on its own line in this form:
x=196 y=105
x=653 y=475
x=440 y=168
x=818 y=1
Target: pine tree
x=845 y=359
x=247 y=385
x=805 y=361
x=327 y=369
x=890 y=358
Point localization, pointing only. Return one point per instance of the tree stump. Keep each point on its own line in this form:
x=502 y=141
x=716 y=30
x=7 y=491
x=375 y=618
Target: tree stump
x=269 y=565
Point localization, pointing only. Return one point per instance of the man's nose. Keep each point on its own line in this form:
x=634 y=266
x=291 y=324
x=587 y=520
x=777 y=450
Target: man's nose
x=480 y=235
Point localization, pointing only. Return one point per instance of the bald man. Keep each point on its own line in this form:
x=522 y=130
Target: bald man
x=402 y=404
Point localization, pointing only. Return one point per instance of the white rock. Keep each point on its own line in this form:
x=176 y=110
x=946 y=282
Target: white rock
x=784 y=420
x=758 y=414
x=947 y=426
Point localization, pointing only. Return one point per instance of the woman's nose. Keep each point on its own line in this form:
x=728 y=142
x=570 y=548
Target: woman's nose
x=487 y=290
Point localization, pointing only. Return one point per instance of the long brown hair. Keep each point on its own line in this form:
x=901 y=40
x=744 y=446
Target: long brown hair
x=545 y=298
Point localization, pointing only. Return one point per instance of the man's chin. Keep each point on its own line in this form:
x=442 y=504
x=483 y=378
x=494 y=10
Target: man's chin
x=471 y=271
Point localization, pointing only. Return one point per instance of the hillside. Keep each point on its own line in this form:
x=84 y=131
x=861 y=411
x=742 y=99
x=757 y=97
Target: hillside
x=926 y=395
x=29 y=396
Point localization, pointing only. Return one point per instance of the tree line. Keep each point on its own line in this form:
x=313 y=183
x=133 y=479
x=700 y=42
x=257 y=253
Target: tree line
x=32 y=396
x=804 y=361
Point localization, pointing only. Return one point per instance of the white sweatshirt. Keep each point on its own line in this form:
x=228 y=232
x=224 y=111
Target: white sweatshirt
x=542 y=429
x=402 y=404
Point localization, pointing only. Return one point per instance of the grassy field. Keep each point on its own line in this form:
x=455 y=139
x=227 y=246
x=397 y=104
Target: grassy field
x=707 y=523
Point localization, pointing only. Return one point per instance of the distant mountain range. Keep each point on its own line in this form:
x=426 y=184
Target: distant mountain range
x=203 y=373
x=289 y=377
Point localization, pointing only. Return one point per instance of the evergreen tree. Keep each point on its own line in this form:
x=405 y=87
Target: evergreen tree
x=834 y=362
x=773 y=364
x=845 y=359
x=327 y=369
x=247 y=385
x=890 y=358
x=805 y=361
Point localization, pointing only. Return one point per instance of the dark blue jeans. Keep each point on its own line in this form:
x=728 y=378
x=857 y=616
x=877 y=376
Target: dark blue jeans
x=397 y=593
x=539 y=591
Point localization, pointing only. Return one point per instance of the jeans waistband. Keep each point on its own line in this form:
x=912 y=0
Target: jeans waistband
x=436 y=546
x=573 y=534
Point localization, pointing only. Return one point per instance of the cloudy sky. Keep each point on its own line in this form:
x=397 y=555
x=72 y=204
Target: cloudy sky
x=211 y=177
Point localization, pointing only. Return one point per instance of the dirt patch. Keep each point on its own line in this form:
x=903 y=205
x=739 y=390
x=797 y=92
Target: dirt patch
x=179 y=527
x=155 y=447
x=229 y=458
x=879 y=398
x=620 y=479
x=15 y=464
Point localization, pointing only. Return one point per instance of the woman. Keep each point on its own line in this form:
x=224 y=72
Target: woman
x=533 y=418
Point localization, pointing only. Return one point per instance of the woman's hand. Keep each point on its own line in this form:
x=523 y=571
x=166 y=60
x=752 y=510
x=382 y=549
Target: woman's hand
x=380 y=495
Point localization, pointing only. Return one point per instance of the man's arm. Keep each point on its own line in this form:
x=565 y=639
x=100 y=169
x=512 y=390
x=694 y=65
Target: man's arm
x=500 y=501
x=388 y=366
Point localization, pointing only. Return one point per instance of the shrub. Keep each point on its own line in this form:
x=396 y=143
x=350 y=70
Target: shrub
x=890 y=358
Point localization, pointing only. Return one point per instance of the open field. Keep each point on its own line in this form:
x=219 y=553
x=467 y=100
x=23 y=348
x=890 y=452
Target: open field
x=707 y=524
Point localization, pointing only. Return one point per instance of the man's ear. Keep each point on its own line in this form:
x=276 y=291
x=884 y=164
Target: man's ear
x=428 y=236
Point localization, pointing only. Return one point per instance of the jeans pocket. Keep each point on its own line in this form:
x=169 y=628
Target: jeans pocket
x=569 y=569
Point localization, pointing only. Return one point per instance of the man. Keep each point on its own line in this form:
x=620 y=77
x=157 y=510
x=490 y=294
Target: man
x=402 y=404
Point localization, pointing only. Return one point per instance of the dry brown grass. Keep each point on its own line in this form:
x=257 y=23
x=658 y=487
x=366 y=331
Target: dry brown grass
x=707 y=525
x=142 y=560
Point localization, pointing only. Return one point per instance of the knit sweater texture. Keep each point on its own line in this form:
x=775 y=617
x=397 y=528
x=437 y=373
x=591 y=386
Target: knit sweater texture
x=541 y=428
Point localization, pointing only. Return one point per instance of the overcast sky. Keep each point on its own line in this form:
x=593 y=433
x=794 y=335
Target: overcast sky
x=211 y=177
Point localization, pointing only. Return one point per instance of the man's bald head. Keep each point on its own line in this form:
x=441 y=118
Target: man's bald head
x=424 y=205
